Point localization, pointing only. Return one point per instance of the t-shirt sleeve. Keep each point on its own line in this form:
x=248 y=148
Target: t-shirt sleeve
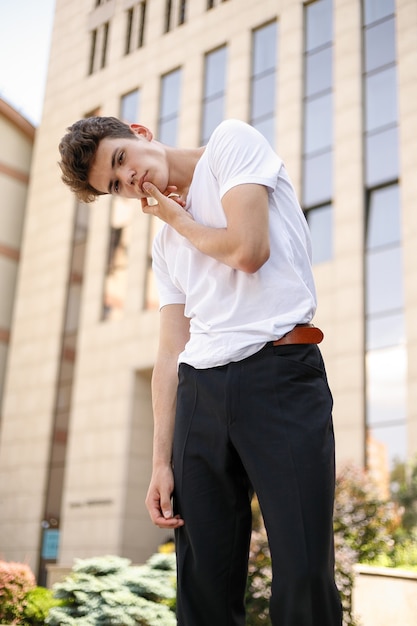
x=239 y=154
x=168 y=293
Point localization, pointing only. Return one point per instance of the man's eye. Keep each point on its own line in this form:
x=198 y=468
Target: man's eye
x=121 y=157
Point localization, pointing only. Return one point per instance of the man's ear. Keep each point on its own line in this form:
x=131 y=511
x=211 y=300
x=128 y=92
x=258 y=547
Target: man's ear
x=138 y=129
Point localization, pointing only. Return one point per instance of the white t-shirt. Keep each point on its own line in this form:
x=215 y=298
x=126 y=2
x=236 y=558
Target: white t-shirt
x=232 y=313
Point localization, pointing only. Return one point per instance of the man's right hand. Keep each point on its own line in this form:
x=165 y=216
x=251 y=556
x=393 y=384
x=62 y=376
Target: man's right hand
x=158 y=499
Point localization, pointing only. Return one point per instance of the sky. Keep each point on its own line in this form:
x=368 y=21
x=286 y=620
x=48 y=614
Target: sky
x=25 y=36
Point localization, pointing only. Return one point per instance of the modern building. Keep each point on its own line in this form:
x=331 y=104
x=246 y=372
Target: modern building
x=16 y=146
x=332 y=85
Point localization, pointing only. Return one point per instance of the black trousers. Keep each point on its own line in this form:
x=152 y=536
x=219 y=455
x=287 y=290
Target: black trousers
x=263 y=424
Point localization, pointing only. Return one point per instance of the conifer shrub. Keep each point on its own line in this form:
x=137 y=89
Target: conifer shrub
x=16 y=580
x=109 y=590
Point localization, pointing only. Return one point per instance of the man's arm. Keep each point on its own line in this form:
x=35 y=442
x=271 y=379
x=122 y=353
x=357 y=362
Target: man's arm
x=174 y=334
x=243 y=244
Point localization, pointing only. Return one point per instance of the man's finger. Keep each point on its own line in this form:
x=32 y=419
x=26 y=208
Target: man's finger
x=172 y=523
x=151 y=189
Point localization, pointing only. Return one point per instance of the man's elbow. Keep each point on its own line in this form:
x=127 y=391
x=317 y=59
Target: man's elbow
x=252 y=262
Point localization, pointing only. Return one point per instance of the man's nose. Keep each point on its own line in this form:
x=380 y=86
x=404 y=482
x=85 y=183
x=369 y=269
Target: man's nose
x=128 y=176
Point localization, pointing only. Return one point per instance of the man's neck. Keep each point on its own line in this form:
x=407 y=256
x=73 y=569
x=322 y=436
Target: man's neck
x=182 y=165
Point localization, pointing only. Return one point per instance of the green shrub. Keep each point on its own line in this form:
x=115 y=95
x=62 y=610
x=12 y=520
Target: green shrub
x=345 y=559
x=364 y=528
x=259 y=573
x=366 y=523
x=406 y=494
x=16 y=579
x=39 y=602
x=402 y=555
x=109 y=590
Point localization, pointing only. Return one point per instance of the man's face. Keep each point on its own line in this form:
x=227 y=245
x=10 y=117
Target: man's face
x=121 y=166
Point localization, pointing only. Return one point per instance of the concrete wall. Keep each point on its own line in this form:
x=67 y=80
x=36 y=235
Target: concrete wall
x=384 y=596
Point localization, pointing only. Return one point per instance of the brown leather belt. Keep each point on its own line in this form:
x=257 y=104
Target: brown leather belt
x=302 y=333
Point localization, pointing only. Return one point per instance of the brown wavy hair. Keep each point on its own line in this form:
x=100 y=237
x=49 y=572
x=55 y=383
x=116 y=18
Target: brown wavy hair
x=78 y=150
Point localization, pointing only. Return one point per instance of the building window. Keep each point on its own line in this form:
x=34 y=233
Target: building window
x=212 y=3
x=214 y=91
x=129 y=24
x=167 y=133
x=182 y=12
x=386 y=356
x=141 y=30
x=115 y=283
x=98 y=47
x=168 y=15
x=175 y=14
x=151 y=291
x=121 y=218
x=320 y=222
x=129 y=107
x=263 y=81
x=135 y=27
x=380 y=81
x=93 y=45
x=169 y=107
x=104 y=45
x=318 y=127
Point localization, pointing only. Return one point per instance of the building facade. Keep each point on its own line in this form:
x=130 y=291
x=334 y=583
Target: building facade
x=16 y=145
x=332 y=85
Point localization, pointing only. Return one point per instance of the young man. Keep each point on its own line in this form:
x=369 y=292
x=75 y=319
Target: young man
x=240 y=396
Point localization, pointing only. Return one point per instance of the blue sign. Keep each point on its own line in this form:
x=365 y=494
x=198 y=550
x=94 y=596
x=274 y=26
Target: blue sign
x=50 y=544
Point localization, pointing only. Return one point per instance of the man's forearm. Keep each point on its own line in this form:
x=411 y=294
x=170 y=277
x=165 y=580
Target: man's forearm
x=164 y=394
x=218 y=243
x=243 y=244
x=159 y=496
